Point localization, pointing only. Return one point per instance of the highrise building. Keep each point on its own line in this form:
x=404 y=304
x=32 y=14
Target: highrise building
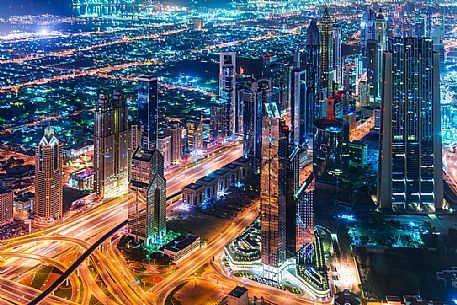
x=367 y=30
x=331 y=150
x=263 y=98
x=299 y=112
x=147 y=212
x=337 y=60
x=312 y=79
x=135 y=141
x=227 y=89
x=249 y=97
x=373 y=68
x=194 y=135
x=326 y=70
x=148 y=109
x=111 y=158
x=291 y=188
x=410 y=156
x=6 y=206
x=175 y=132
x=164 y=147
x=273 y=194
x=48 y=177
x=278 y=71
x=218 y=123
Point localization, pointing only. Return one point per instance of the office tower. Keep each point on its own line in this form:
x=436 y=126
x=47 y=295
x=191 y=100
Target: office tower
x=367 y=31
x=410 y=167
x=48 y=177
x=249 y=97
x=263 y=98
x=121 y=141
x=243 y=82
x=299 y=111
x=194 y=135
x=147 y=212
x=326 y=70
x=312 y=79
x=135 y=141
x=305 y=215
x=6 y=206
x=337 y=60
x=227 y=89
x=331 y=150
x=437 y=35
x=273 y=194
x=218 y=123
x=279 y=74
x=291 y=188
x=373 y=68
x=381 y=41
x=148 y=109
x=111 y=146
x=164 y=147
x=175 y=132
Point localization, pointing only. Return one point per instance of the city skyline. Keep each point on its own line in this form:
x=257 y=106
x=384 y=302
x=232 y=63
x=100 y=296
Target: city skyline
x=232 y=152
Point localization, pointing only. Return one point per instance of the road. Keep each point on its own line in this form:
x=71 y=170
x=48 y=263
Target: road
x=90 y=225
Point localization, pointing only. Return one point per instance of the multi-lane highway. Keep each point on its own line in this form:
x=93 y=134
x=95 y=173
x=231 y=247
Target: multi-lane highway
x=82 y=229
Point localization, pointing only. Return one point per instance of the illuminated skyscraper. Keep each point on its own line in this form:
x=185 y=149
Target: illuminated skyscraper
x=326 y=69
x=337 y=60
x=147 y=212
x=331 y=150
x=367 y=31
x=298 y=108
x=135 y=141
x=111 y=160
x=249 y=97
x=273 y=192
x=312 y=79
x=410 y=161
x=175 y=131
x=148 y=109
x=227 y=89
x=48 y=177
x=6 y=206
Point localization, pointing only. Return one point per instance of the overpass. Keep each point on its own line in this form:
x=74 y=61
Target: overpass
x=76 y=264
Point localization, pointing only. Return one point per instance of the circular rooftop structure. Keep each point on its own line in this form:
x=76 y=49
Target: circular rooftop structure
x=330 y=124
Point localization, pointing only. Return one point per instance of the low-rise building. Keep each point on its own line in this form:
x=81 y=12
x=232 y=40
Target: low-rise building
x=238 y=296
x=181 y=247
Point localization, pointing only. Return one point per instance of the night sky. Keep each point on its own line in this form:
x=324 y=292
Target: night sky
x=63 y=7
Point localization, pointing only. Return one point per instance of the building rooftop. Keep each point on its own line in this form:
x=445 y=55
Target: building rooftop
x=193 y=186
x=330 y=123
x=238 y=292
x=180 y=243
x=346 y=297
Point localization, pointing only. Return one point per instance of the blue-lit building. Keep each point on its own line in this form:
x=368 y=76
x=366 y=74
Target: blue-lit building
x=148 y=100
x=410 y=167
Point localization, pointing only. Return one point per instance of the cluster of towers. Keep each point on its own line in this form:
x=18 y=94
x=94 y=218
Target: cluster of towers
x=307 y=105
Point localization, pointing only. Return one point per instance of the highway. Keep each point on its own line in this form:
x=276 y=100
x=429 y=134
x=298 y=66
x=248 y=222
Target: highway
x=90 y=225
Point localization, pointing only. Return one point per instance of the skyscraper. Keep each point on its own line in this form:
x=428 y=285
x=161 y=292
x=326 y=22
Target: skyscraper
x=331 y=150
x=273 y=194
x=147 y=212
x=48 y=177
x=148 y=112
x=299 y=111
x=111 y=159
x=410 y=162
x=367 y=31
x=175 y=131
x=6 y=206
x=263 y=98
x=326 y=69
x=337 y=60
x=227 y=88
x=312 y=79
x=249 y=97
